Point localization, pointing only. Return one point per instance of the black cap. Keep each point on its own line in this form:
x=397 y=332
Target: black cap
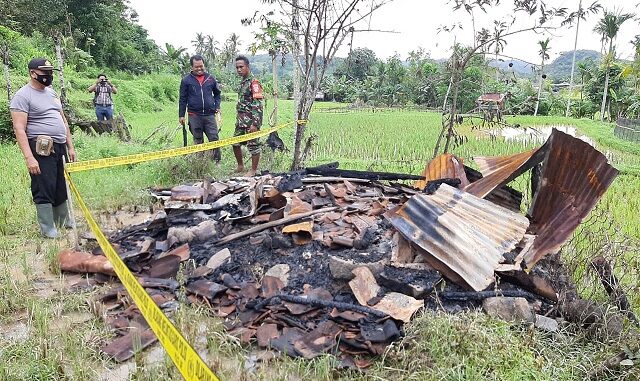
x=40 y=64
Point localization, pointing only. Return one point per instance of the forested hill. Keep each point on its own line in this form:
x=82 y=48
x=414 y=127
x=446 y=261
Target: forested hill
x=261 y=63
x=560 y=69
x=104 y=33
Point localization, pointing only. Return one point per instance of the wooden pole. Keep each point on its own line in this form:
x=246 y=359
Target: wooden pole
x=259 y=228
x=573 y=60
x=613 y=288
x=72 y=216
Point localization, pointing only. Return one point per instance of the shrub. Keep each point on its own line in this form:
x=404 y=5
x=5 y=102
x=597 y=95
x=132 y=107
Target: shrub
x=6 y=128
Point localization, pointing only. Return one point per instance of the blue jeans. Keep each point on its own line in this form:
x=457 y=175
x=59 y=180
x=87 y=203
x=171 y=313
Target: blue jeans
x=104 y=112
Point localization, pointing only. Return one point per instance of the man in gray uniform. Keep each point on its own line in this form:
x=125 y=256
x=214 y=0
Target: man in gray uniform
x=43 y=136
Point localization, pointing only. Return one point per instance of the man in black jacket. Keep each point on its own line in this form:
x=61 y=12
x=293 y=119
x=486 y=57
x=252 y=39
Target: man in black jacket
x=200 y=98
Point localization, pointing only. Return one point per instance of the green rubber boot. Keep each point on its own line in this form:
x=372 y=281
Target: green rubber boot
x=45 y=220
x=61 y=216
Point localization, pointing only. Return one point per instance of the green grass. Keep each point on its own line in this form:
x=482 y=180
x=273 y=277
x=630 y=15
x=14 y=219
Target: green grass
x=437 y=346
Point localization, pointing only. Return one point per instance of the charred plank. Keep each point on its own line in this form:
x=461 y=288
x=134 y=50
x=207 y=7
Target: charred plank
x=332 y=170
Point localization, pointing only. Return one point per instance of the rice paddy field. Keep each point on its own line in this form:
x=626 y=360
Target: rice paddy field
x=437 y=346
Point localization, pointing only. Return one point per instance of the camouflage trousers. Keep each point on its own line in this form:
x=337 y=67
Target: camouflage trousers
x=253 y=145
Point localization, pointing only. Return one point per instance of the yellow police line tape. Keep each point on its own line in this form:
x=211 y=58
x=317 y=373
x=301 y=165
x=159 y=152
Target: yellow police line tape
x=164 y=154
x=183 y=355
x=186 y=359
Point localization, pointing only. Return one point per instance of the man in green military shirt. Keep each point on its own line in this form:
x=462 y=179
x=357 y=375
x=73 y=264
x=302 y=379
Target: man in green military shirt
x=249 y=118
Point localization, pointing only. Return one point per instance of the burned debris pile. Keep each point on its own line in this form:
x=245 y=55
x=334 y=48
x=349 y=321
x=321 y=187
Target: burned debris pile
x=326 y=260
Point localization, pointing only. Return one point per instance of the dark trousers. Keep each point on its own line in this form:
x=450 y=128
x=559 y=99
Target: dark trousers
x=201 y=125
x=49 y=186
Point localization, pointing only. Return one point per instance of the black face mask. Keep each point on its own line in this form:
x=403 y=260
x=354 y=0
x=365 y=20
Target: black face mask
x=44 y=79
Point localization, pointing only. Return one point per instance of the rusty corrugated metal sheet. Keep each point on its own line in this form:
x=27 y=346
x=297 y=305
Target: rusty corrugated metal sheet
x=442 y=167
x=500 y=170
x=503 y=196
x=574 y=177
x=465 y=236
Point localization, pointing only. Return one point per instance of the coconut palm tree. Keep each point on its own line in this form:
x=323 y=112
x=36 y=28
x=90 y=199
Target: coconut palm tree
x=544 y=54
x=199 y=43
x=230 y=49
x=498 y=42
x=580 y=14
x=636 y=61
x=608 y=28
x=585 y=74
x=210 y=50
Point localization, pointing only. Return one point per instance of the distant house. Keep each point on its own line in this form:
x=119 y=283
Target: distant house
x=491 y=105
x=555 y=87
x=491 y=99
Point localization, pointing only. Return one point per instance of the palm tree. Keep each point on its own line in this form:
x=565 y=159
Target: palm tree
x=636 y=60
x=210 y=50
x=498 y=42
x=583 y=68
x=608 y=28
x=231 y=46
x=544 y=54
x=578 y=15
x=199 y=43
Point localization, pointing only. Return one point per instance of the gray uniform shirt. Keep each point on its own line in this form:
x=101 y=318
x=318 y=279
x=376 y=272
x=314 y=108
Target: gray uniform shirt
x=43 y=112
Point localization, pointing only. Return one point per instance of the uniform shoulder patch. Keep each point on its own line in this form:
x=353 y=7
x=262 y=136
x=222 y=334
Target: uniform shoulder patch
x=256 y=89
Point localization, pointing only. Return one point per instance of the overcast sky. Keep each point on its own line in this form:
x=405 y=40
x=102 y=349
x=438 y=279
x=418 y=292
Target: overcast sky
x=415 y=22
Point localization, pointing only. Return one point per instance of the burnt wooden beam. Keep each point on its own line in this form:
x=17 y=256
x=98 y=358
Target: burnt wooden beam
x=332 y=170
x=334 y=202
x=613 y=288
x=530 y=282
x=332 y=179
x=259 y=228
x=481 y=295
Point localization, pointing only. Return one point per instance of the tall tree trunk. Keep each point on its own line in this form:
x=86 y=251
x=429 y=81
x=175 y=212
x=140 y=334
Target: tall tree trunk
x=606 y=80
x=497 y=71
x=454 y=63
x=63 y=91
x=454 y=109
x=604 y=94
x=297 y=96
x=446 y=95
x=535 y=113
x=573 y=61
x=274 y=70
